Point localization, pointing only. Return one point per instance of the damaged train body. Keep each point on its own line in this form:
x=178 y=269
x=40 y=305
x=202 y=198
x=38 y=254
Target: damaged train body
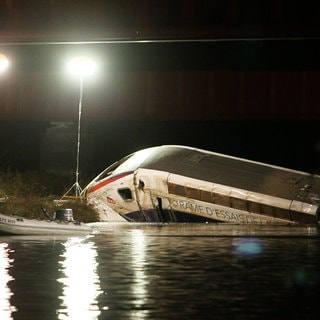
x=172 y=183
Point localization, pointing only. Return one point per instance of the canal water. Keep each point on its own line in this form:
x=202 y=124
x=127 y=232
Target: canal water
x=152 y=271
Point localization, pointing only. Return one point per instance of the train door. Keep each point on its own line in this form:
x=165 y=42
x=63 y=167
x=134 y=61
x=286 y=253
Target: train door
x=151 y=196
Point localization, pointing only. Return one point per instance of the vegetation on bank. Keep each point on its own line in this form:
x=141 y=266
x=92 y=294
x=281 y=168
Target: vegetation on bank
x=26 y=193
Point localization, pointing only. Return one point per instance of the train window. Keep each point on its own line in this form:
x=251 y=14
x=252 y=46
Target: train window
x=176 y=189
x=129 y=163
x=254 y=207
x=125 y=194
x=193 y=193
x=221 y=199
x=109 y=171
x=239 y=204
x=205 y=196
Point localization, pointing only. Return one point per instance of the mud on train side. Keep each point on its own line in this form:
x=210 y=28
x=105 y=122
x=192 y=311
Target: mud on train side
x=172 y=183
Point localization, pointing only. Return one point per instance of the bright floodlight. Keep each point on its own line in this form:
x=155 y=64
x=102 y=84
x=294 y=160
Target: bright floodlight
x=82 y=65
x=4 y=62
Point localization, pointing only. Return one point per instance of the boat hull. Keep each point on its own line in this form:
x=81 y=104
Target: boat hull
x=17 y=225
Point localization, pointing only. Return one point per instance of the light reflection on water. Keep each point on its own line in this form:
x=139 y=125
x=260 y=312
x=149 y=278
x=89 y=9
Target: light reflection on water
x=81 y=284
x=6 y=309
x=140 y=271
x=140 y=283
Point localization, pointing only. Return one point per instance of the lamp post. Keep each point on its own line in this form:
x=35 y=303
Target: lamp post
x=4 y=62
x=81 y=66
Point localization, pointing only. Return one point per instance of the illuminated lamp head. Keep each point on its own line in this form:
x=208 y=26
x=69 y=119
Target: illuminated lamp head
x=4 y=62
x=82 y=65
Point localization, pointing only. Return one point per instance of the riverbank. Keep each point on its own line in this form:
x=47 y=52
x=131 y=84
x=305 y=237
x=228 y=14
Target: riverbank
x=25 y=194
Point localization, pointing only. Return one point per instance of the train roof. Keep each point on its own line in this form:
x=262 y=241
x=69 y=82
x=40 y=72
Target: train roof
x=232 y=171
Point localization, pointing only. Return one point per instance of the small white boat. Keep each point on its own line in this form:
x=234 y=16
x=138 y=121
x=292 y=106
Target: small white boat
x=61 y=224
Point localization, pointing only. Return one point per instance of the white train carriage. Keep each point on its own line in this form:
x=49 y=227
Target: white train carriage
x=182 y=184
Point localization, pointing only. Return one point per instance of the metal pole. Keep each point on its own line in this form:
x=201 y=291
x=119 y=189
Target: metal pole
x=81 y=65
x=77 y=185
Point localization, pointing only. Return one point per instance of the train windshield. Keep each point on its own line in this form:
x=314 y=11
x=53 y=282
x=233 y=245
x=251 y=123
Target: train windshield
x=126 y=164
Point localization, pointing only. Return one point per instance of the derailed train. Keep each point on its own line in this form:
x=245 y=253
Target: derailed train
x=173 y=183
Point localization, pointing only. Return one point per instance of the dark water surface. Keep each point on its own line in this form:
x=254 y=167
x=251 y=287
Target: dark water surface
x=178 y=271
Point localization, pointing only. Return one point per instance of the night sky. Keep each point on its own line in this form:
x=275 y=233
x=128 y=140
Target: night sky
x=289 y=143
x=154 y=38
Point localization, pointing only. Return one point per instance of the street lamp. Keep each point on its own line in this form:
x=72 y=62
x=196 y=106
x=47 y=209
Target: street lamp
x=81 y=66
x=4 y=62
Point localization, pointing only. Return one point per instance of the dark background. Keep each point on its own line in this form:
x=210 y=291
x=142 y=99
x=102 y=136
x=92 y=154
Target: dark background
x=236 y=77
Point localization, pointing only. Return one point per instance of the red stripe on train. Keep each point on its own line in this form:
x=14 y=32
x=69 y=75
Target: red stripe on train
x=108 y=181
